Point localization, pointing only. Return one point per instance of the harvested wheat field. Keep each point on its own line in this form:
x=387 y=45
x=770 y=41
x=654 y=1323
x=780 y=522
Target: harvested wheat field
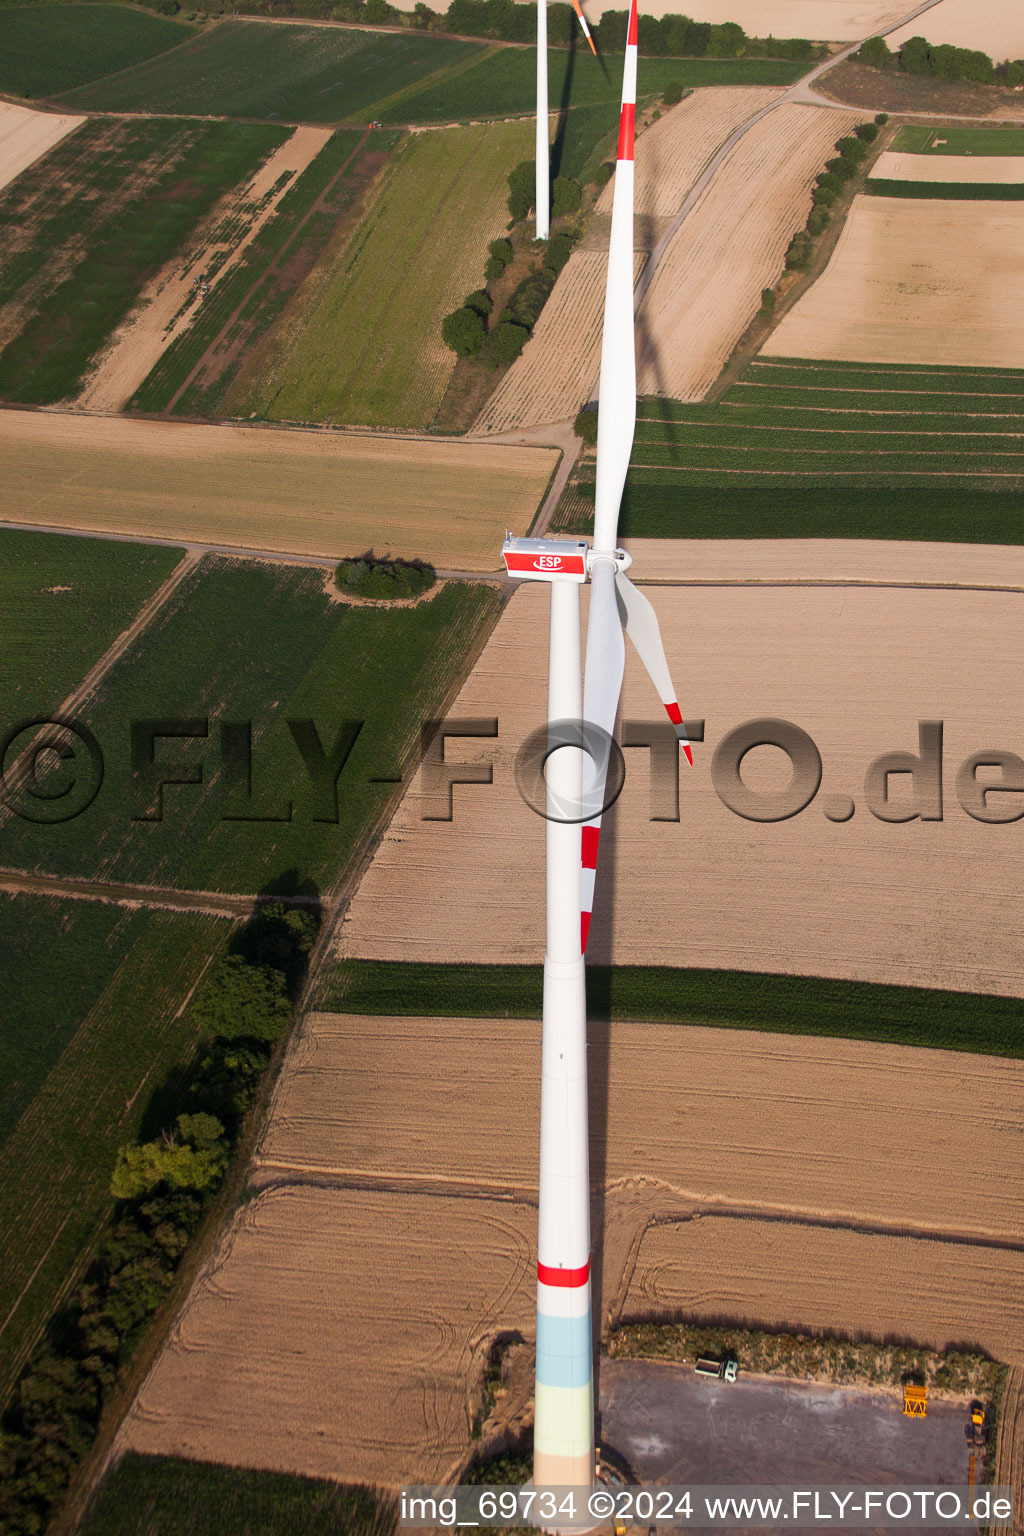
x=984 y=169
x=997 y=27
x=804 y=1278
x=25 y=136
x=923 y=903
x=832 y=562
x=822 y=20
x=555 y=374
x=708 y=284
x=341 y=1333
x=1009 y=1467
x=169 y=304
x=916 y=282
x=313 y=493
x=711 y=1115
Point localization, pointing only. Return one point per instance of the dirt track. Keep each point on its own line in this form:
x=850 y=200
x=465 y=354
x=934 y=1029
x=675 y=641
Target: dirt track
x=319 y=493
x=916 y=281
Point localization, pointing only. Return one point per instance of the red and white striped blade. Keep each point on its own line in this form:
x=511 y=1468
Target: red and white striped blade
x=606 y=661
x=583 y=23
x=616 y=418
x=641 y=625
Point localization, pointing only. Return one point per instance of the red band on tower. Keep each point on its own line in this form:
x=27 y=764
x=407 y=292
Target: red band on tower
x=627 y=127
x=566 y=1277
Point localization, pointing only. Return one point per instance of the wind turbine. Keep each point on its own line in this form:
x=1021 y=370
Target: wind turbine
x=542 y=196
x=575 y=780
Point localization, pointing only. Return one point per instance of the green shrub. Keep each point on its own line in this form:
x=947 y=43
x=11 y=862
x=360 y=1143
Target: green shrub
x=915 y=56
x=823 y=197
x=768 y=299
x=241 y=1001
x=798 y=256
x=493 y=269
x=529 y=298
x=672 y=94
x=566 y=196
x=828 y=181
x=463 y=331
x=877 y=53
x=852 y=149
x=522 y=185
x=881 y=118
x=559 y=249
x=817 y=221
x=504 y=344
x=604 y=173
x=479 y=301
x=585 y=425
x=501 y=250
x=384 y=580
x=867 y=131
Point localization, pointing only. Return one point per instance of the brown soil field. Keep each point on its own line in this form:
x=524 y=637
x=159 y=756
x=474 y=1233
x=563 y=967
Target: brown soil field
x=710 y=1115
x=956 y=168
x=916 y=282
x=837 y=562
x=874 y=90
x=26 y=135
x=804 y=1278
x=997 y=27
x=1010 y=1445
x=708 y=284
x=921 y=903
x=315 y=493
x=556 y=373
x=341 y=1333
x=169 y=304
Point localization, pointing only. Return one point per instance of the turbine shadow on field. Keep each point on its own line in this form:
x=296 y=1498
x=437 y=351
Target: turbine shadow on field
x=558 y=142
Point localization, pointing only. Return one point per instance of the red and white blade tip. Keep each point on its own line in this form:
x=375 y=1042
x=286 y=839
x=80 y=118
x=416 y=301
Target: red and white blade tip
x=675 y=714
x=583 y=23
x=627 y=117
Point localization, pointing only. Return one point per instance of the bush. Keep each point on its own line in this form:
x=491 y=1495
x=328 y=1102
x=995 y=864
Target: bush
x=463 y=331
x=916 y=56
x=852 y=149
x=604 y=173
x=479 y=301
x=566 y=196
x=493 y=269
x=384 y=580
x=522 y=185
x=867 y=131
x=829 y=182
x=528 y=300
x=798 y=256
x=877 y=53
x=672 y=94
x=817 y=220
x=504 y=344
x=585 y=425
x=501 y=250
x=558 y=251
x=241 y=1001
x=768 y=299
x=881 y=118
x=823 y=197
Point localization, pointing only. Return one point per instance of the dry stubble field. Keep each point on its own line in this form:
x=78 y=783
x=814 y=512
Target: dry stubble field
x=697 y=1136
x=558 y=369
x=996 y=27
x=25 y=136
x=313 y=493
x=924 y=904
x=709 y=281
x=983 y=169
x=916 y=281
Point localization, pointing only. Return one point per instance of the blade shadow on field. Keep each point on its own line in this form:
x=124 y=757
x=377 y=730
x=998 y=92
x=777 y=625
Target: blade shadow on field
x=558 y=143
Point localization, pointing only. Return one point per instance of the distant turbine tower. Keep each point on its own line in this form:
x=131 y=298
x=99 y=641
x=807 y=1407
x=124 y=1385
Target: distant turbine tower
x=563 y=1436
x=542 y=198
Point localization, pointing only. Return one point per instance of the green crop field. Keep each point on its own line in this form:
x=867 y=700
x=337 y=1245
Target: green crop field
x=63 y=601
x=790 y=1005
x=165 y=1496
x=91 y=1030
x=819 y=450
x=51 y=48
x=916 y=140
x=84 y=229
x=504 y=83
x=245 y=304
x=947 y=191
x=361 y=344
x=247 y=641
x=292 y=73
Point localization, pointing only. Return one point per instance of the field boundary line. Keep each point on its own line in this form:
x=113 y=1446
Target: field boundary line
x=225 y=904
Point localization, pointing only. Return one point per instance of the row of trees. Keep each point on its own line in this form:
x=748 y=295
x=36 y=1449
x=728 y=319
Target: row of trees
x=162 y=1186
x=917 y=56
x=852 y=151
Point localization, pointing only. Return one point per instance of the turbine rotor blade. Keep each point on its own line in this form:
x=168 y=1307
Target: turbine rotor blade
x=583 y=23
x=641 y=625
x=606 y=661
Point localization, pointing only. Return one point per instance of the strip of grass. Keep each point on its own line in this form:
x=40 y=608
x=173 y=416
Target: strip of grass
x=63 y=601
x=104 y=211
x=165 y=1496
x=504 y=83
x=919 y=140
x=245 y=641
x=292 y=73
x=91 y=1031
x=947 y=191
x=789 y=1005
x=51 y=48
x=253 y=288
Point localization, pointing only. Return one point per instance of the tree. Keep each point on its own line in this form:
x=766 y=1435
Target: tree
x=604 y=173
x=877 y=53
x=463 y=331
x=557 y=254
x=501 y=250
x=798 y=256
x=916 y=56
x=672 y=93
x=521 y=188
x=493 y=269
x=881 y=118
x=817 y=220
x=727 y=40
x=867 y=131
x=196 y=1162
x=505 y=343
x=566 y=196
x=585 y=425
x=479 y=301
x=768 y=298
x=377 y=12
x=239 y=1000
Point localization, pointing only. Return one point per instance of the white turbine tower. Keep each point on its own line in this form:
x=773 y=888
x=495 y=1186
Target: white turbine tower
x=542 y=197
x=575 y=785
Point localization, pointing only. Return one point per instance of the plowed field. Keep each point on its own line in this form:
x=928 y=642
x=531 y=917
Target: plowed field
x=921 y=903
x=708 y=284
x=914 y=281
